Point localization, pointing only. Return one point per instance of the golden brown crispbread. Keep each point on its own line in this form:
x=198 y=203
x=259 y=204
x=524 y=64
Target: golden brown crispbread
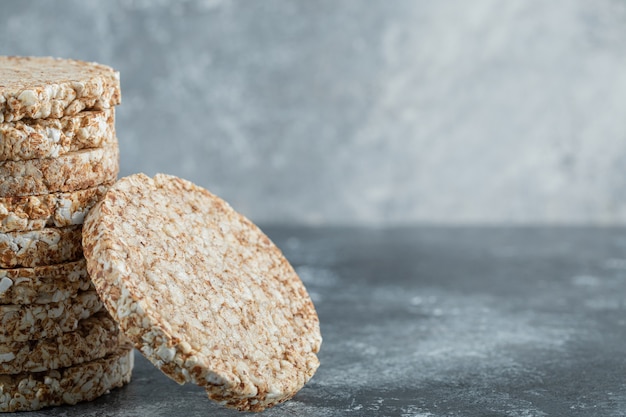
x=73 y=171
x=84 y=382
x=47 y=246
x=22 y=322
x=43 y=284
x=51 y=138
x=95 y=337
x=201 y=291
x=45 y=87
x=33 y=212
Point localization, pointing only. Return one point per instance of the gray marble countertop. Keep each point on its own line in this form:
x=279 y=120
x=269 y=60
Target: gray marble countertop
x=426 y=322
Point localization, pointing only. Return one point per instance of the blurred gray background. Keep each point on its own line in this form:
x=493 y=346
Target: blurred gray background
x=367 y=112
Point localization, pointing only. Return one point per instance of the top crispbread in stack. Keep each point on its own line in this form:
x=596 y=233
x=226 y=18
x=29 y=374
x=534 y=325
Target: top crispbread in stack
x=40 y=88
x=58 y=155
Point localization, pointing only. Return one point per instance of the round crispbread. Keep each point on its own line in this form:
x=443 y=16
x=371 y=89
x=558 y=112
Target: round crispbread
x=70 y=172
x=43 y=284
x=22 y=322
x=45 y=87
x=51 y=138
x=201 y=291
x=95 y=337
x=47 y=246
x=34 y=212
x=84 y=382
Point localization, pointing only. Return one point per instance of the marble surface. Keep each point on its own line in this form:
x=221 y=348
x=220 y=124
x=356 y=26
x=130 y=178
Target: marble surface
x=334 y=112
x=434 y=322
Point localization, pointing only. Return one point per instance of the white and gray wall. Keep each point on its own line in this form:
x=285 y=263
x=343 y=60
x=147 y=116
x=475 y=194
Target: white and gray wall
x=369 y=112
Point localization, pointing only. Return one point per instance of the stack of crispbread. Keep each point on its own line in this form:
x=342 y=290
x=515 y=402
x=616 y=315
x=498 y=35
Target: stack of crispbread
x=58 y=155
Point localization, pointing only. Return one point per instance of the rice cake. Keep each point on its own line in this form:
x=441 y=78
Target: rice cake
x=84 y=382
x=51 y=138
x=43 y=284
x=73 y=171
x=46 y=87
x=95 y=337
x=20 y=323
x=47 y=246
x=35 y=212
x=201 y=291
